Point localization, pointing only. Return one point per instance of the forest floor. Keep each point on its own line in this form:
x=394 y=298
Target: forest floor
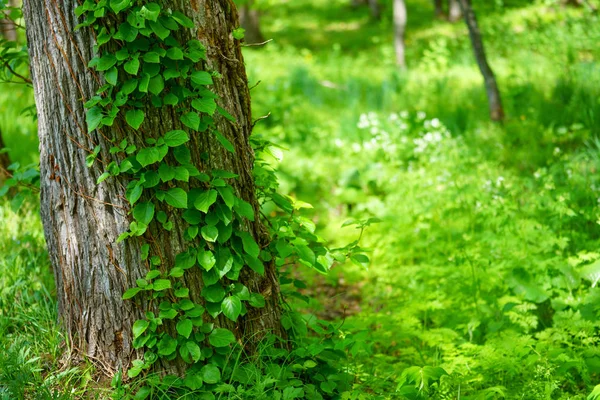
x=486 y=259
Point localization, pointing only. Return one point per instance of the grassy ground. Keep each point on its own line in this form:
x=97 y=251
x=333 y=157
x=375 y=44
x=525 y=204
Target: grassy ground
x=484 y=264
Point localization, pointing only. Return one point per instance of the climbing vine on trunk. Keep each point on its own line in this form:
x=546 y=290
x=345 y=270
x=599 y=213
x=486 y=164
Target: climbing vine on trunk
x=148 y=62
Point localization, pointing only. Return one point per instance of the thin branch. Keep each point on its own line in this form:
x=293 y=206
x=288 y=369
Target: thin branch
x=15 y=73
x=256 y=44
x=260 y=118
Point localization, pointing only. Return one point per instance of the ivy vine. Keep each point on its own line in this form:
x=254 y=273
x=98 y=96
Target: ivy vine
x=144 y=63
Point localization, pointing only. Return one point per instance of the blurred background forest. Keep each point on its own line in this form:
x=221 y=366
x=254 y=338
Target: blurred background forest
x=482 y=281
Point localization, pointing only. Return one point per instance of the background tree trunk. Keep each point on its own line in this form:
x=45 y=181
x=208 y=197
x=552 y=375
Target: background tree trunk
x=4 y=161
x=374 y=6
x=250 y=21
x=454 y=11
x=399 y=30
x=439 y=9
x=82 y=220
x=491 y=87
x=375 y=9
x=7 y=26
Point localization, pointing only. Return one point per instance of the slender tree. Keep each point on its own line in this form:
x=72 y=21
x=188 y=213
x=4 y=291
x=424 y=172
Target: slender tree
x=374 y=6
x=83 y=220
x=491 y=87
x=454 y=10
x=250 y=21
x=7 y=25
x=400 y=19
x=4 y=160
x=439 y=9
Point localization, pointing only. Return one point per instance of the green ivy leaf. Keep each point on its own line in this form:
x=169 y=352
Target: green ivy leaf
x=143 y=84
x=194 y=351
x=133 y=66
x=176 y=138
x=225 y=113
x=140 y=327
x=161 y=284
x=93 y=118
x=182 y=174
x=135 y=118
x=152 y=274
x=126 y=32
x=166 y=172
x=256 y=300
x=244 y=209
x=129 y=86
x=186 y=259
x=214 y=293
x=221 y=337
x=166 y=346
x=205 y=105
x=227 y=196
x=209 y=233
x=156 y=85
x=144 y=212
x=201 y=78
x=111 y=76
x=249 y=244
x=206 y=259
x=159 y=30
x=191 y=120
x=150 y=11
x=170 y=99
x=147 y=156
x=152 y=57
x=231 y=307
x=183 y=20
x=106 y=62
x=119 y=5
x=129 y=293
x=193 y=217
x=205 y=200
x=224 y=142
x=175 y=53
x=176 y=197
x=184 y=328
x=193 y=381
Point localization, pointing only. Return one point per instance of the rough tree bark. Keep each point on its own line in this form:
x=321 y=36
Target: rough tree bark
x=399 y=30
x=454 y=11
x=491 y=87
x=250 y=21
x=82 y=220
x=7 y=26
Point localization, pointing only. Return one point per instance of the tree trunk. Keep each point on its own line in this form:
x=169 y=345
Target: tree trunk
x=250 y=21
x=439 y=9
x=493 y=94
x=454 y=11
x=374 y=6
x=399 y=30
x=4 y=161
x=375 y=9
x=7 y=26
x=82 y=220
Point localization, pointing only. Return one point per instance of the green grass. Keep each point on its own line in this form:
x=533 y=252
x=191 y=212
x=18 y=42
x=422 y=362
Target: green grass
x=484 y=262
x=31 y=362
